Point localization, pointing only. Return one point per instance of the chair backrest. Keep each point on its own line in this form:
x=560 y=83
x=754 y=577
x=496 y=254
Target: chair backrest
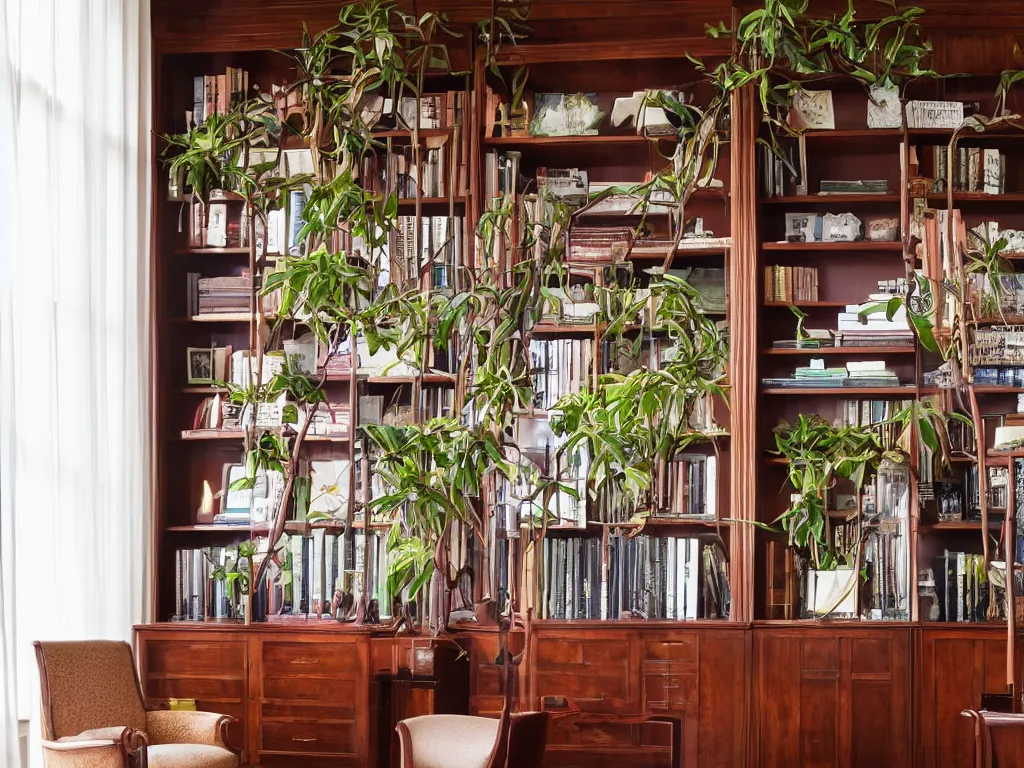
x=89 y=684
x=446 y=741
x=527 y=738
x=998 y=739
x=463 y=741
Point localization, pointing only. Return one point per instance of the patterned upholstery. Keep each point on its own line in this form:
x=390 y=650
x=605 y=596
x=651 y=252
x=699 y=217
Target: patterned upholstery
x=83 y=755
x=447 y=741
x=167 y=727
x=93 y=715
x=190 y=756
x=89 y=685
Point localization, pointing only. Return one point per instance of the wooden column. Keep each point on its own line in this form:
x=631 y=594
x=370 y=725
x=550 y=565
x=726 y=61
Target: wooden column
x=744 y=313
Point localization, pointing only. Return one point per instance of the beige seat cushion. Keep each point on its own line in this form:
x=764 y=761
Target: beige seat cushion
x=190 y=756
x=450 y=741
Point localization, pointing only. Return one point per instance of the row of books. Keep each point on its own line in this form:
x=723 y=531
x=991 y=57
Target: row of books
x=790 y=284
x=434 y=177
x=693 y=487
x=439 y=242
x=231 y=294
x=961 y=587
x=559 y=367
x=216 y=94
x=647 y=577
x=975 y=169
x=198 y=595
x=868 y=373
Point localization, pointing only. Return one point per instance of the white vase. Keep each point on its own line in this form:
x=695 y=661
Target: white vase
x=831 y=593
x=884 y=109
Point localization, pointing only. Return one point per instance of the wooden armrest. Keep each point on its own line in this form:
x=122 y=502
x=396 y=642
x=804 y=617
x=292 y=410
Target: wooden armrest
x=165 y=726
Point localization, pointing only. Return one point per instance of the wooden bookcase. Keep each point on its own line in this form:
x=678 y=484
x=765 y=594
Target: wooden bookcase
x=748 y=690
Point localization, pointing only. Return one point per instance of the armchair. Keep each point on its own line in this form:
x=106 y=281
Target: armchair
x=94 y=715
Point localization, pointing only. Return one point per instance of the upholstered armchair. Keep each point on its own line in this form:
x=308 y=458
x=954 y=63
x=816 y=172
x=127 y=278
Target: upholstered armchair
x=463 y=741
x=94 y=715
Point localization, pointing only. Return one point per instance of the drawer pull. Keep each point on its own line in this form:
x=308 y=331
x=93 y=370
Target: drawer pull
x=306 y=661
x=296 y=738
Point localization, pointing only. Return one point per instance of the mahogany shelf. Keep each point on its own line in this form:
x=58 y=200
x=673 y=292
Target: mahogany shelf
x=839 y=391
x=566 y=141
x=404 y=202
x=843 y=199
x=407 y=134
x=857 y=246
x=979 y=197
x=787 y=304
x=426 y=378
x=212 y=251
x=843 y=351
x=960 y=525
x=224 y=317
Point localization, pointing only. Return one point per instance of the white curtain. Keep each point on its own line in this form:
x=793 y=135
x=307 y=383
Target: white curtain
x=75 y=158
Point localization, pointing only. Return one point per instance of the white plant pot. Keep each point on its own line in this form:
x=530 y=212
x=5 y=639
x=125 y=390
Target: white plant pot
x=886 y=113
x=831 y=593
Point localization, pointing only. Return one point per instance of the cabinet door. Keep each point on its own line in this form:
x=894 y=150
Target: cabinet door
x=209 y=667
x=828 y=698
x=955 y=667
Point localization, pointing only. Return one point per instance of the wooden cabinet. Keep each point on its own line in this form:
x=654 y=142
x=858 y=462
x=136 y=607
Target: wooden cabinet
x=698 y=675
x=830 y=696
x=954 y=666
x=208 y=665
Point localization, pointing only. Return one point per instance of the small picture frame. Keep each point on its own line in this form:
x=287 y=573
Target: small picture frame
x=201 y=365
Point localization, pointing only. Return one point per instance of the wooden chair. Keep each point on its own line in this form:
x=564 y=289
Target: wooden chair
x=998 y=739
x=94 y=715
x=514 y=740
x=464 y=741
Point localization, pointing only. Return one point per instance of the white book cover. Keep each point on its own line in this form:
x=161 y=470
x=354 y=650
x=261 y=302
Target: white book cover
x=693 y=565
x=318 y=573
x=217 y=225
x=329 y=487
x=670 y=581
x=297 y=584
x=993 y=172
x=680 y=577
x=711 y=486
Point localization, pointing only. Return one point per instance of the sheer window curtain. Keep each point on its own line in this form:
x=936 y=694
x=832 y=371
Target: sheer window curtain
x=75 y=155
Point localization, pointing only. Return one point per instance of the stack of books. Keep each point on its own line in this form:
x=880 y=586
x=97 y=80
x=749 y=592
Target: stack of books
x=874 y=330
x=599 y=245
x=868 y=373
x=815 y=338
x=872 y=187
x=871 y=373
x=821 y=377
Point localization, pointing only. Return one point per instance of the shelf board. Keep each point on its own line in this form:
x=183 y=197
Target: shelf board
x=407 y=134
x=223 y=317
x=843 y=351
x=839 y=391
x=568 y=141
x=843 y=199
x=210 y=435
x=680 y=253
x=994 y=389
x=855 y=133
x=894 y=246
x=201 y=390
x=426 y=378
x=291 y=526
x=960 y=525
x=554 y=329
x=213 y=251
x=404 y=202
x=787 y=304
x=979 y=197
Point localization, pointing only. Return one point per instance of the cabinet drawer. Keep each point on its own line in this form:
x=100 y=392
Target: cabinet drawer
x=327 y=735
x=195 y=658
x=327 y=659
x=682 y=649
x=326 y=690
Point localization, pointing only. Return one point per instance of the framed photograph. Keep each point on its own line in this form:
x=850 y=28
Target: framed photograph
x=201 y=365
x=208 y=365
x=812 y=110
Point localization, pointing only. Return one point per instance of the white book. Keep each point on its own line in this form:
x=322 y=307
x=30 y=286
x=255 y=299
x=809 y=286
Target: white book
x=297 y=584
x=217 y=225
x=865 y=365
x=680 y=577
x=670 y=581
x=319 y=572
x=992 y=172
x=711 y=486
x=693 y=565
x=961 y=569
